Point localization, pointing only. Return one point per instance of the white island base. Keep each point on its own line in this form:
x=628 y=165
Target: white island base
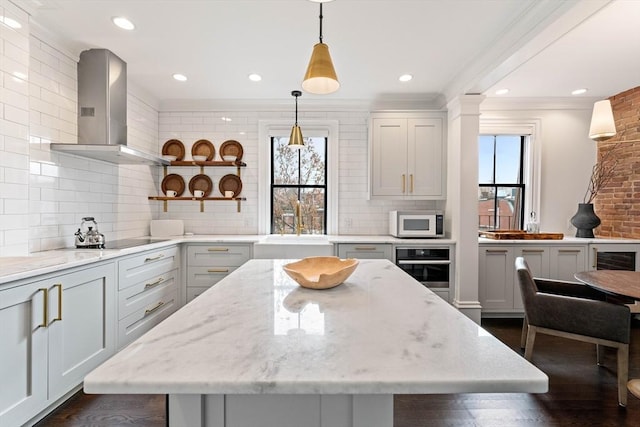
x=257 y=350
x=289 y=410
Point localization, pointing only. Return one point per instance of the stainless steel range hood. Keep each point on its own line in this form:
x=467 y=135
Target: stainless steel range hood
x=102 y=112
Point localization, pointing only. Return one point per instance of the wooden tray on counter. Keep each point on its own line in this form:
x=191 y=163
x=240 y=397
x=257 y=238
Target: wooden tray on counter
x=519 y=235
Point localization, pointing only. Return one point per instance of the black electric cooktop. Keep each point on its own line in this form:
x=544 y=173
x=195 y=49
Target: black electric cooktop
x=126 y=243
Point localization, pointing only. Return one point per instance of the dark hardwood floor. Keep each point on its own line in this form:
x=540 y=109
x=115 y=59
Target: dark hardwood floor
x=580 y=394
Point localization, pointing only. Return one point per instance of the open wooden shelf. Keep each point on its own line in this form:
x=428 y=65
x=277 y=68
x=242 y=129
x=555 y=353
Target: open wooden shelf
x=166 y=199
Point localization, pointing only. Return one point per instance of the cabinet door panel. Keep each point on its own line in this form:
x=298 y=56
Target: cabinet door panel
x=425 y=157
x=567 y=261
x=538 y=261
x=389 y=157
x=85 y=335
x=23 y=354
x=496 y=278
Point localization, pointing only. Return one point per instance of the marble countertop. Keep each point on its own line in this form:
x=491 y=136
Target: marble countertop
x=258 y=332
x=566 y=240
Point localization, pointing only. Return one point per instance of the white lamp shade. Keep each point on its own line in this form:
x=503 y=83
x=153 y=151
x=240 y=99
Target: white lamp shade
x=602 y=126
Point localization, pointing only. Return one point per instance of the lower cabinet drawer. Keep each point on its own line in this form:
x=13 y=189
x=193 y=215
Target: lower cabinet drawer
x=207 y=276
x=145 y=266
x=218 y=255
x=137 y=323
x=147 y=292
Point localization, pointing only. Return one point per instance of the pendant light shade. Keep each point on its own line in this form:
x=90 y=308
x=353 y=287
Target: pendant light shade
x=295 y=139
x=320 y=77
x=602 y=126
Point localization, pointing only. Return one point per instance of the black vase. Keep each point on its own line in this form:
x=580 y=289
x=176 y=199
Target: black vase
x=585 y=220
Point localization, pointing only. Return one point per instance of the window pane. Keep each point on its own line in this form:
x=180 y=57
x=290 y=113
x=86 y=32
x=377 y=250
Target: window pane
x=283 y=205
x=485 y=159
x=499 y=208
x=312 y=162
x=508 y=159
x=312 y=209
x=285 y=162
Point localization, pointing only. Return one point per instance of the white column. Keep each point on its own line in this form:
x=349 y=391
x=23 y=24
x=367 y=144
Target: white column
x=462 y=199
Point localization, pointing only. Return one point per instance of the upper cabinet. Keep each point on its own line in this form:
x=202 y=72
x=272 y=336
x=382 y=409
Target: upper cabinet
x=407 y=156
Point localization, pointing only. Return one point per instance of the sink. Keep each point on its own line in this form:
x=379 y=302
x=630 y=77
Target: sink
x=290 y=246
x=294 y=239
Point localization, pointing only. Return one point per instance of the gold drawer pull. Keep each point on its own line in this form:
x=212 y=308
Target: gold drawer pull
x=411 y=186
x=218 y=249
x=218 y=270
x=152 y=284
x=404 y=186
x=154 y=258
x=45 y=314
x=59 y=286
x=496 y=251
x=532 y=251
x=151 y=310
x=569 y=251
x=365 y=248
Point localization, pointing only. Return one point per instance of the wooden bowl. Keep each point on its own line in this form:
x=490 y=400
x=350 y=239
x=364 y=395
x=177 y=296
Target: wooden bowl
x=321 y=272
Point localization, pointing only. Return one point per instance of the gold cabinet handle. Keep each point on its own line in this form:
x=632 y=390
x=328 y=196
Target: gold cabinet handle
x=595 y=258
x=404 y=178
x=569 y=251
x=496 y=251
x=218 y=249
x=411 y=183
x=532 y=251
x=153 y=258
x=151 y=310
x=45 y=314
x=218 y=270
x=59 y=286
x=152 y=284
x=365 y=248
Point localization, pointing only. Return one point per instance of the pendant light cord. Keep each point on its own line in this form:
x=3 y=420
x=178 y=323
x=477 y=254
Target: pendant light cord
x=320 y=22
x=296 y=110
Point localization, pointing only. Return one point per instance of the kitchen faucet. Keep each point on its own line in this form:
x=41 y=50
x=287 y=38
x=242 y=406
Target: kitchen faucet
x=298 y=218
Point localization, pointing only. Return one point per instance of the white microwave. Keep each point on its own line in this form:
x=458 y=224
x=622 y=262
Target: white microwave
x=419 y=224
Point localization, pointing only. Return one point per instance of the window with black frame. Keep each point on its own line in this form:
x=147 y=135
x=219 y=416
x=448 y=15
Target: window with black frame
x=501 y=187
x=299 y=176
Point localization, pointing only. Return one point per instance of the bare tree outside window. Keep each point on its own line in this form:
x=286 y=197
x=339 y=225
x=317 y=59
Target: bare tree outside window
x=298 y=175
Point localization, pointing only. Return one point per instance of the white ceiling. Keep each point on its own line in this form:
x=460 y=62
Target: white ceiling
x=536 y=48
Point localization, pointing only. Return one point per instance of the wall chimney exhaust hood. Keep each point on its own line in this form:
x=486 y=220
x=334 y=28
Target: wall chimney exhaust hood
x=102 y=112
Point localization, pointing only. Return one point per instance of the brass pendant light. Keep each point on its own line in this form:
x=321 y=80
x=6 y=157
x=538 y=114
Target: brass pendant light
x=320 y=77
x=295 y=140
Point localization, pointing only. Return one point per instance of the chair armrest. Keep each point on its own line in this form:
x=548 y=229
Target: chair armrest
x=573 y=289
x=581 y=316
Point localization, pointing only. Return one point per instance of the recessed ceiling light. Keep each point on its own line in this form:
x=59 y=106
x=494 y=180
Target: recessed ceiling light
x=405 y=77
x=502 y=91
x=180 y=77
x=255 y=77
x=579 y=91
x=225 y=119
x=9 y=22
x=123 y=23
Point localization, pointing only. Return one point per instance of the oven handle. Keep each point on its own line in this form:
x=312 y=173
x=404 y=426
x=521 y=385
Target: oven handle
x=421 y=262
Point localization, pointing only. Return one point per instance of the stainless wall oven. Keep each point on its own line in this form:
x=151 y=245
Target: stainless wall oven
x=429 y=265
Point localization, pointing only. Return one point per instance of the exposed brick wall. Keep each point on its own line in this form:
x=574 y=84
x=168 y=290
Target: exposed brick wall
x=618 y=204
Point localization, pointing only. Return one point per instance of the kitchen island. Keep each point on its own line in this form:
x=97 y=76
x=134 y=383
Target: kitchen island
x=258 y=350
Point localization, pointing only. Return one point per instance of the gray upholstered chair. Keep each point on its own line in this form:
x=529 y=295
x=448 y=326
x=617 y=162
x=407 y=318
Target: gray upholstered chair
x=575 y=311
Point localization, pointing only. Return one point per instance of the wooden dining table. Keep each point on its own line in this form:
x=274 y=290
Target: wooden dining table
x=615 y=282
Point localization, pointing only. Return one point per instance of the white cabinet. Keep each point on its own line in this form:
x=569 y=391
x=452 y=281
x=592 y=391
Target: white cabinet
x=496 y=278
x=365 y=250
x=62 y=327
x=407 y=156
x=498 y=288
x=208 y=264
x=148 y=291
